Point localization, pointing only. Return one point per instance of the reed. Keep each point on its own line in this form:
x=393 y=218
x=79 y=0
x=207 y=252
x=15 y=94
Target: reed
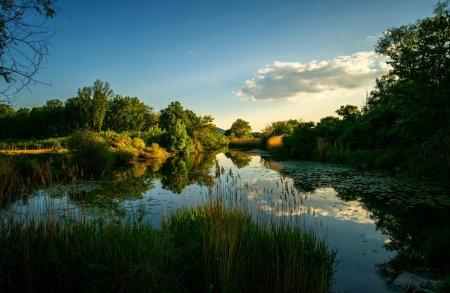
x=244 y=143
x=225 y=244
x=275 y=145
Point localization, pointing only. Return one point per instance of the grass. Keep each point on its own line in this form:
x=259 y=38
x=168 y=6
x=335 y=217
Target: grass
x=32 y=151
x=275 y=145
x=244 y=143
x=224 y=244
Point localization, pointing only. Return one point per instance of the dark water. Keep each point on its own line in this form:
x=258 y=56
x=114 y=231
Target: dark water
x=367 y=215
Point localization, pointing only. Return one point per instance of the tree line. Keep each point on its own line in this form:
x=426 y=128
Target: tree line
x=96 y=108
x=405 y=121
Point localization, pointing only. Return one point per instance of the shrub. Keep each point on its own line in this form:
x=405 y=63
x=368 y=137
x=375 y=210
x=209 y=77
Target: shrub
x=89 y=150
x=125 y=155
x=138 y=143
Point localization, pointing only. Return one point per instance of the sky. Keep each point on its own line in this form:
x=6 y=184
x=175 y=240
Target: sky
x=260 y=61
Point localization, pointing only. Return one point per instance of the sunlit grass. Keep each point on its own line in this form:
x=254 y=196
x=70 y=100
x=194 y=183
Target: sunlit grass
x=32 y=151
x=275 y=144
x=247 y=143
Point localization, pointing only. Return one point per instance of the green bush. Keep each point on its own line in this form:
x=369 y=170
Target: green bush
x=125 y=155
x=89 y=150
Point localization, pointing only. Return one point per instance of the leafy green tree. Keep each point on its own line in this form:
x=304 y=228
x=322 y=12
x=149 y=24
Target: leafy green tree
x=48 y=120
x=420 y=76
x=171 y=115
x=7 y=113
x=129 y=114
x=177 y=140
x=302 y=143
x=102 y=93
x=277 y=128
x=241 y=129
x=88 y=109
x=349 y=112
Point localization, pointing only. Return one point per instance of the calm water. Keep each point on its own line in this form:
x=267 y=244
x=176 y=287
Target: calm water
x=366 y=215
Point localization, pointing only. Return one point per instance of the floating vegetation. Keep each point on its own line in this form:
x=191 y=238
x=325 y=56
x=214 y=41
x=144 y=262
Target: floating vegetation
x=392 y=188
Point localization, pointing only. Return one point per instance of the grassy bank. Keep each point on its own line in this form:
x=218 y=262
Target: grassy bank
x=222 y=245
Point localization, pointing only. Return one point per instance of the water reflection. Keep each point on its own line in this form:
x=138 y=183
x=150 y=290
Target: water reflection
x=369 y=215
x=239 y=158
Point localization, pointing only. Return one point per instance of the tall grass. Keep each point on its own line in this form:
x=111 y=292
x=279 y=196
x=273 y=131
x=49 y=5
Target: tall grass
x=244 y=143
x=275 y=145
x=225 y=244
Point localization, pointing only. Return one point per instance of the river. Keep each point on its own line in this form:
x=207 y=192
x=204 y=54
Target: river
x=367 y=215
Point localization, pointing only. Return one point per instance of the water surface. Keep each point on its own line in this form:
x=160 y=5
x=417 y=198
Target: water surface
x=367 y=215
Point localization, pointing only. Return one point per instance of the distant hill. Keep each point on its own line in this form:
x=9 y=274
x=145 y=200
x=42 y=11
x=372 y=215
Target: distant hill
x=220 y=130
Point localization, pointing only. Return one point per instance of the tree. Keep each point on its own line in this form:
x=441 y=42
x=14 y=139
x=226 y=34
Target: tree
x=129 y=114
x=171 y=115
x=177 y=140
x=102 y=93
x=89 y=108
x=349 y=112
x=241 y=129
x=24 y=42
x=420 y=76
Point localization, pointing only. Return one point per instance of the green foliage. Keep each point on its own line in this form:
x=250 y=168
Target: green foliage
x=138 y=143
x=241 y=129
x=276 y=129
x=177 y=140
x=419 y=91
x=129 y=114
x=89 y=150
x=154 y=135
x=125 y=155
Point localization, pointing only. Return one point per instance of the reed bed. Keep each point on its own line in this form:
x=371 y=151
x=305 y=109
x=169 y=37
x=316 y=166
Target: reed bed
x=245 y=143
x=226 y=243
x=275 y=145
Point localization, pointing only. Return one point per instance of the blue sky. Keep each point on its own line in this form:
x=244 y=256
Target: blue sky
x=260 y=61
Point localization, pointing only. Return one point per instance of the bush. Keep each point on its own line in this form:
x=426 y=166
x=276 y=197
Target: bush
x=89 y=150
x=125 y=155
x=138 y=143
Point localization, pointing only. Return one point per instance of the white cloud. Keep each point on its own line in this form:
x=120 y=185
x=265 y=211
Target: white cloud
x=295 y=81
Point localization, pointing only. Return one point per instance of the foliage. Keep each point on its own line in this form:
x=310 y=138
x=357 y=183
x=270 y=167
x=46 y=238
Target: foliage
x=276 y=129
x=154 y=135
x=239 y=159
x=177 y=140
x=420 y=58
x=129 y=114
x=89 y=150
x=241 y=129
x=125 y=155
x=138 y=143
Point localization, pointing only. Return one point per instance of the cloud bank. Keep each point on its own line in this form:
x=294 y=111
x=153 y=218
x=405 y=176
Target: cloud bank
x=295 y=81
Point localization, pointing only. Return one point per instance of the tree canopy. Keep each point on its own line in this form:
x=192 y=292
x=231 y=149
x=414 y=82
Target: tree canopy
x=241 y=129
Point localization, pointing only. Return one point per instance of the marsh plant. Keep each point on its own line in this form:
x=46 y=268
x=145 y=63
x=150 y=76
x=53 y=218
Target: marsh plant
x=225 y=243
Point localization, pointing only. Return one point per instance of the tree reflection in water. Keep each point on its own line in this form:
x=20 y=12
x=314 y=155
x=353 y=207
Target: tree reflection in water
x=240 y=159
